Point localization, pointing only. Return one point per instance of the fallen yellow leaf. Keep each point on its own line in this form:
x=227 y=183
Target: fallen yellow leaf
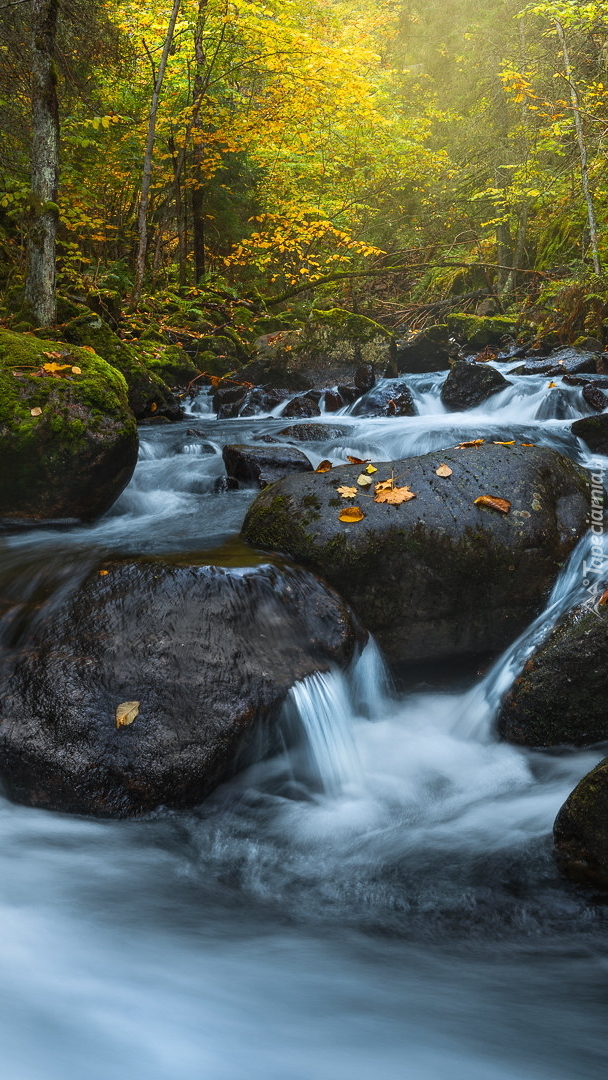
x=511 y=442
x=357 y=460
x=36 y=412
x=54 y=368
x=471 y=442
x=364 y=481
x=126 y=713
x=153 y=407
x=502 y=505
x=104 y=573
x=384 y=485
x=324 y=466
x=351 y=514
x=551 y=385
x=443 y=470
x=395 y=496
x=527 y=444
x=347 y=492
x=371 y=469
x=76 y=371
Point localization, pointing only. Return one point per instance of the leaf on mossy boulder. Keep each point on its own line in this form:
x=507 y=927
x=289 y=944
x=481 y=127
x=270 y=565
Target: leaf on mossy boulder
x=502 y=505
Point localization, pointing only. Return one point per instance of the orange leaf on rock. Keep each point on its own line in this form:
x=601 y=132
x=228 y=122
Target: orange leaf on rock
x=603 y=600
x=443 y=470
x=351 y=514
x=471 y=442
x=527 y=444
x=395 y=496
x=502 y=505
x=126 y=713
x=324 y=466
x=347 y=492
x=511 y=442
x=357 y=460
x=384 y=485
x=153 y=407
x=54 y=368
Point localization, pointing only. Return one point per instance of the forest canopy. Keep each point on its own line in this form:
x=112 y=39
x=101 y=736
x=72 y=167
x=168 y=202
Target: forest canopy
x=437 y=150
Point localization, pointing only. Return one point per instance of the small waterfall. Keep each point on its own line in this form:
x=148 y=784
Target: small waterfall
x=323 y=706
x=480 y=706
x=371 y=682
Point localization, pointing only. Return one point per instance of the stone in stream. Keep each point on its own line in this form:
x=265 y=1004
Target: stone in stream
x=560 y=697
x=208 y=654
x=68 y=440
x=312 y=432
x=564 y=362
x=437 y=576
x=595 y=397
x=393 y=398
x=581 y=830
x=593 y=430
x=258 y=466
x=427 y=350
x=304 y=405
x=469 y=384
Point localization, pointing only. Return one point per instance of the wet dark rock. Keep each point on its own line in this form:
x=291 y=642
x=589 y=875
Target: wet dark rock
x=581 y=830
x=312 y=432
x=393 y=398
x=263 y=399
x=563 y=362
x=428 y=350
x=560 y=697
x=469 y=384
x=586 y=380
x=595 y=396
x=333 y=401
x=209 y=654
x=227 y=401
x=364 y=378
x=225 y=483
x=301 y=406
x=257 y=466
x=437 y=576
x=266 y=439
x=348 y=393
x=593 y=430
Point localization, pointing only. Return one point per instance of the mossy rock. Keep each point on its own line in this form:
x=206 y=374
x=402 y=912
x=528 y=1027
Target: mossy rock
x=581 y=830
x=74 y=457
x=476 y=331
x=438 y=576
x=560 y=697
x=170 y=362
x=148 y=392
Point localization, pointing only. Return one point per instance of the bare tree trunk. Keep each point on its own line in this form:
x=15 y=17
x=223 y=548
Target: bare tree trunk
x=198 y=201
x=147 y=173
x=582 y=149
x=40 y=297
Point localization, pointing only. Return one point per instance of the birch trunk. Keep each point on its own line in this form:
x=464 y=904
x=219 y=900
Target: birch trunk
x=582 y=149
x=147 y=171
x=40 y=296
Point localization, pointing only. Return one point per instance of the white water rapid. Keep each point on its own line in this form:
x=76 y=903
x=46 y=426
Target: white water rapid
x=378 y=900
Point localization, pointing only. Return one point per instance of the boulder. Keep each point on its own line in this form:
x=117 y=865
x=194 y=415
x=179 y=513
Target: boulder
x=437 y=576
x=476 y=331
x=564 y=362
x=428 y=350
x=68 y=441
x=333 y=401
x=388 y=398
x=364 y=378
x=208 y=653
x=148 y=393
x=581 y=830
x=560 y=697
x=595 y=397
x=259 y=466
x=593 y=430
x=262 y=399
x=468 y=385
x=312 y=432
x=301 y=406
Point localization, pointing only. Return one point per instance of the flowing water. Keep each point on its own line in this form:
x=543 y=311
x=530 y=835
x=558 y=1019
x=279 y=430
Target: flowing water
x=379 y=901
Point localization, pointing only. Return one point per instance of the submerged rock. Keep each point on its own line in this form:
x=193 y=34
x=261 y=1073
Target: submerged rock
x=469 y=384
x=387 y=399
x=257 y=466
x=581 y=830
x=68 y=443
x=312 y=432
x=437 y=576
x=593 y=430
x=560 y=697
x=301 y=406
x=209 y=656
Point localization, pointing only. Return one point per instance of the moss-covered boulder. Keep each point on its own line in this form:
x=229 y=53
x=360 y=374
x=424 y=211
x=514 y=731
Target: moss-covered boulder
x=170 y=362
x=427 y=350
x=581 y=830
x=560 y=697
x=68 y=441
x=148 y=393
x=436 y=576
x=326 y=349
x=475 y=331
x=469 y=385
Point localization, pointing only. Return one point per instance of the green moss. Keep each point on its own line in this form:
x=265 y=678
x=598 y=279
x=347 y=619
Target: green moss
x=356 y=327
x=480 y=330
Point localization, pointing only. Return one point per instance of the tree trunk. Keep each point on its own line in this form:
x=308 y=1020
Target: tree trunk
x=582 y=149
x=198 y=199
x=147 y=172
x=40 y=297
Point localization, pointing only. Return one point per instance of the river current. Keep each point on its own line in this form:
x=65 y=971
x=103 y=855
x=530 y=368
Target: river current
x=380 y=902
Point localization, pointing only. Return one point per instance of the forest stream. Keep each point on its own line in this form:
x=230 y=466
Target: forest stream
x=380 y=901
